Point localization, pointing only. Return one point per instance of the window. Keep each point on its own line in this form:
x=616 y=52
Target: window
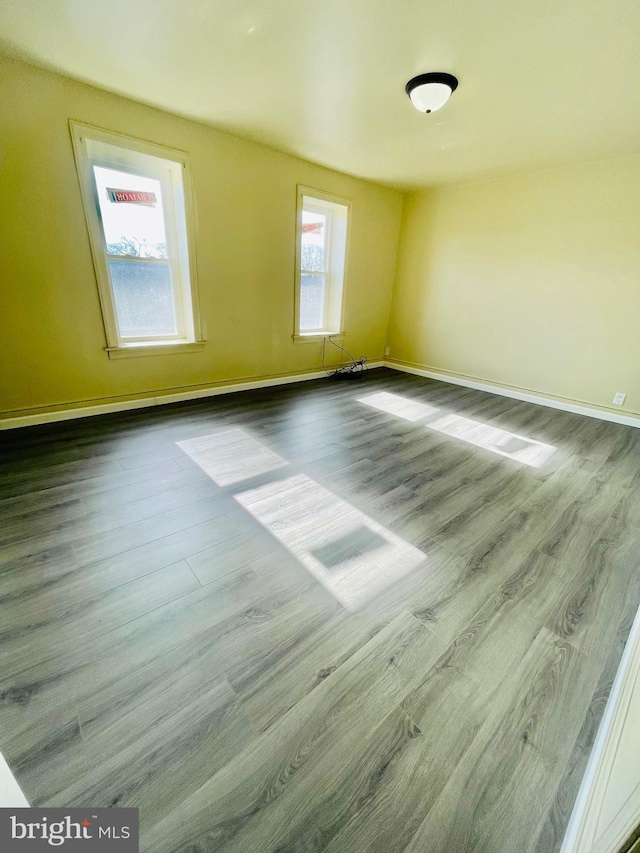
x=137 y=202
x=320 y=269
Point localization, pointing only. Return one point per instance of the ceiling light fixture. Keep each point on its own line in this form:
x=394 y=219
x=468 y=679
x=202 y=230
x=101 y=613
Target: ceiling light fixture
x=429 y=92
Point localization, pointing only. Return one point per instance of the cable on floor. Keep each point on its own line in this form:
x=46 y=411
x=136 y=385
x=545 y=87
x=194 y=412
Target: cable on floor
x=355 y=370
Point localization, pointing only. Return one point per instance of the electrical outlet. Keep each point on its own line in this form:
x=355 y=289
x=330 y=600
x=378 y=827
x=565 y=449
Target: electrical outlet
x=619 y=398
x=387 y=350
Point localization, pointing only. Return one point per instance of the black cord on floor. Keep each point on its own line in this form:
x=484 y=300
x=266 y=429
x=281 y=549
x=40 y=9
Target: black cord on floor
x=355 y=370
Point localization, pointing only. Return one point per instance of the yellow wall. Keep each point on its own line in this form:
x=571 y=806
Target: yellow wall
x=531 y=281
x=51 y=334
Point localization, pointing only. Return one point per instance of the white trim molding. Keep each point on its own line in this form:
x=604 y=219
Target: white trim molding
x=171 y=170
x=52 y=416
x=11 y=796
x=141 y=350
x=603 y=784
x=337 y=213
x=574 y=406
x=317 y=338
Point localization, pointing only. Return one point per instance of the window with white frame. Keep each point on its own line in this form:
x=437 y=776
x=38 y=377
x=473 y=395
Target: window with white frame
x=137 y=204
x=323 y=222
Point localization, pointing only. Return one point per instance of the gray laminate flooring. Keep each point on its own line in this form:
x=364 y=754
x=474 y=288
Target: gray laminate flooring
x=380 y=615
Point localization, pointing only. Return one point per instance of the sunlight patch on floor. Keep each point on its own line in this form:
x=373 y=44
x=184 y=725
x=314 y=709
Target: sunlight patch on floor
x=509 y=444
x=350 y=554
x=231 y=456
x=395 y=404
x=500 y=441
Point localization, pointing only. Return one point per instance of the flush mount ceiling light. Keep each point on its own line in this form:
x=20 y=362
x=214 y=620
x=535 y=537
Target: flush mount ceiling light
x=429 y=92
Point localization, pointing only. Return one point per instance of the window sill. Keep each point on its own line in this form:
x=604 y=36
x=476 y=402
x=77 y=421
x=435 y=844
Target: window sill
x=315 y=337
x=160 y=348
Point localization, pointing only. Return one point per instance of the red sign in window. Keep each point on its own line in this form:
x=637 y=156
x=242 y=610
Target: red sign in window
x=132 y=197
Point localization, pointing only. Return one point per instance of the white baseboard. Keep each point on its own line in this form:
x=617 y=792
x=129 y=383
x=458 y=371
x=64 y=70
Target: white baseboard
x=520 y=394
x=48 y=417
x=52 y=416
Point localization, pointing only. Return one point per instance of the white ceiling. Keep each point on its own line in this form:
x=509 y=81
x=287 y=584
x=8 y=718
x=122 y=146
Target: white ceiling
x=542 y=82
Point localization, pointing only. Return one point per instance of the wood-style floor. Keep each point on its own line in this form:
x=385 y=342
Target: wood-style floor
x=380 y=615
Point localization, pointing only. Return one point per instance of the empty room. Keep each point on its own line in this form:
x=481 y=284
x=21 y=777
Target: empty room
x=319 y=426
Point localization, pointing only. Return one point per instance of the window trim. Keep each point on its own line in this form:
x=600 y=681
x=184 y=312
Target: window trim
x=308 y=336
x=186 y=295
